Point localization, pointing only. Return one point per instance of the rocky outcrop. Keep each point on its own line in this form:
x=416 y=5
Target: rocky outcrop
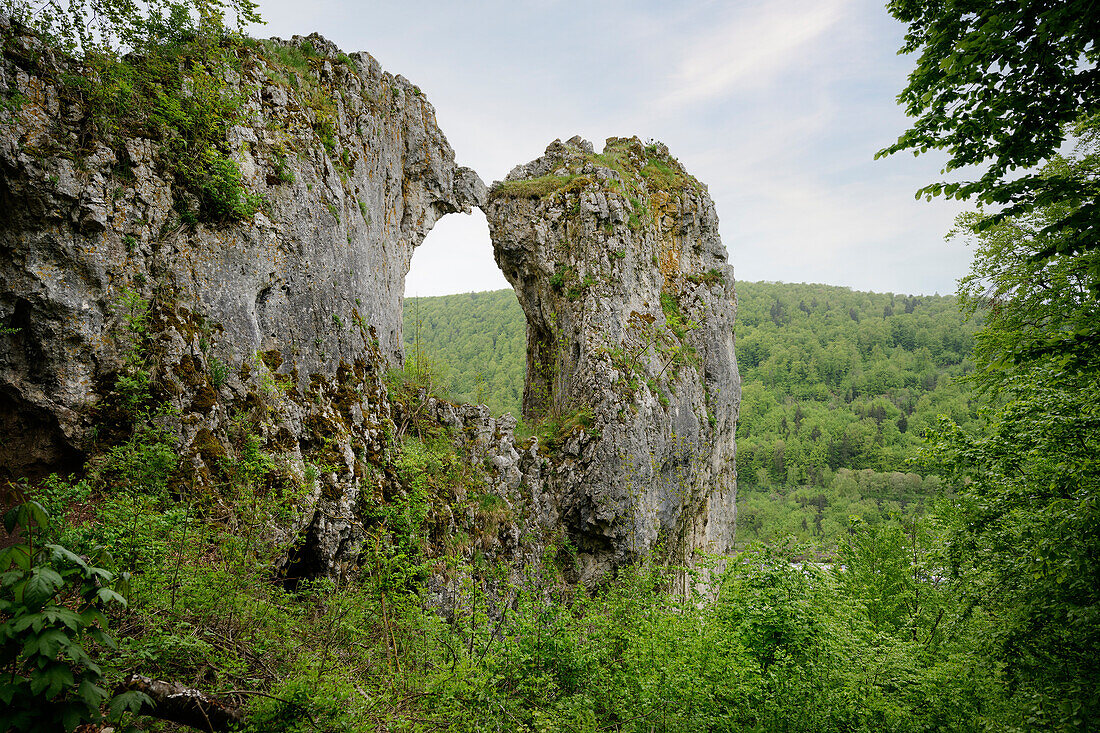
x=211 y=270
x=282 y=318
x=618 y=265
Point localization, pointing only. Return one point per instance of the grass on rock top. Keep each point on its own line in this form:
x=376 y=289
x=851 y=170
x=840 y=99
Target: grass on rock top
x=641 y=170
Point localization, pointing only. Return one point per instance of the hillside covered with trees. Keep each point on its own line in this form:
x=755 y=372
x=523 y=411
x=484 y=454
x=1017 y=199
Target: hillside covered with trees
x=838 y=387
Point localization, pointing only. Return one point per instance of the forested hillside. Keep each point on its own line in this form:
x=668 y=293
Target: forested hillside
x=476 y=342
x=837 y=388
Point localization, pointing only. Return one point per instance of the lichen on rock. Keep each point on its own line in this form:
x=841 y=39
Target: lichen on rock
x=618 y=265
x=279 y=317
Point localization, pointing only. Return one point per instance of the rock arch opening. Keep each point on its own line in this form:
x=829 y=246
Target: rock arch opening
x=462 y=319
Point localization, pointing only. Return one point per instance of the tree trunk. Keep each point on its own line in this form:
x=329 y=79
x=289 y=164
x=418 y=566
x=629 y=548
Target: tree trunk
x=184 y=705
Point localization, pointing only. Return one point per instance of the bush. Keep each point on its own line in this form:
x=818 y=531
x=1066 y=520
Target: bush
x=52 y=624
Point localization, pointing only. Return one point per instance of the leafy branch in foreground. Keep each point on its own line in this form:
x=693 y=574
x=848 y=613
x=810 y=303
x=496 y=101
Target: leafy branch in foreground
x=110 y=26
x=1025 y=518
x=52 y=622
x=1035 y=307
x=1000 y=84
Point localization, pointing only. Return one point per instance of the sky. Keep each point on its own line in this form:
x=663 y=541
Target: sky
x=778 y=106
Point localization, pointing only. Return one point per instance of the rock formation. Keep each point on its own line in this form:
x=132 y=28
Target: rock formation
x=207 y=299
x=618 y=265
x=286 y=317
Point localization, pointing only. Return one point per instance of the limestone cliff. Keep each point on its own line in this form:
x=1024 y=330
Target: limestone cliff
x=281 y=318
x=203 y=263
x=618 y=265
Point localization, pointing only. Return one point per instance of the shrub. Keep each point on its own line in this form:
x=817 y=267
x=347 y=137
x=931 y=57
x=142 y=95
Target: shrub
x=52 y=622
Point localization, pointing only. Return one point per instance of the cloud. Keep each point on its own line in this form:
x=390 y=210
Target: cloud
x=778 y=105
x=455 y=257
x=870 y=235
x=748 y=50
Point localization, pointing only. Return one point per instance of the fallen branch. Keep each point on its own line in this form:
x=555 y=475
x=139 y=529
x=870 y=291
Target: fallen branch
x=184 y=705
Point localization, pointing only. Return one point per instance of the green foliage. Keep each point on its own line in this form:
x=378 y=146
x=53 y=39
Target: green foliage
x=1024 y=519
x=477 y=340
x=777 y=644
x=188 y=113
x=218 y=371
x=1000 y=85
x=174 y=89
x=1026 y=534
x=111 y=26
x=217 y=181
x=53 y=628
x=1037 y=307
x=554 y=429
x=710 y=277
x=661 y=175
x=283 y=172
x=837 y=388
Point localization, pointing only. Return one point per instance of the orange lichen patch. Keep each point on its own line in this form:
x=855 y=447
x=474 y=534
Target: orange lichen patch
x=669 y=261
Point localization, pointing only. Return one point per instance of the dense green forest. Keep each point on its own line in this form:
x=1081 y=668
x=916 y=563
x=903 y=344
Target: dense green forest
x=838 y=387
x=476 y=342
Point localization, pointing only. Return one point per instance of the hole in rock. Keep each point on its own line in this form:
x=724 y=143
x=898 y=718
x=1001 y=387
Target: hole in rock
x=464 y=331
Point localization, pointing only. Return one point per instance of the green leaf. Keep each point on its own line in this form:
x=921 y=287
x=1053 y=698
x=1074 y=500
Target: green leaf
x=131 y=701
x=61 y=554
x=9 y=690
x=72 y=716
x=93 y=695
x=105 y=576
x=101 y=637
x=51 y=679
x=25 y=621
x=91 y=616
x=41 y=587
x=79 y=657
x=11 y=577
x=11 y=519
x=46 y=644
x=16 y=555
x=109 y=596
x=66 y=616
x=34 y=512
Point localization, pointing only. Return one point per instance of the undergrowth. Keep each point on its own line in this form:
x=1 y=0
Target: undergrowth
x=428 y=629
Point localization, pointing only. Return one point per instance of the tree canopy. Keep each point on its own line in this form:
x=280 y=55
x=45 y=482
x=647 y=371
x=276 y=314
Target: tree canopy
x=1001 y=84
x=1024 y=518
x=85 y=26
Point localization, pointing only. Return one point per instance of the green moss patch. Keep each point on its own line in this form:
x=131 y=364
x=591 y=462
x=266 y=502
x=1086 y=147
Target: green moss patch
x=531 y=188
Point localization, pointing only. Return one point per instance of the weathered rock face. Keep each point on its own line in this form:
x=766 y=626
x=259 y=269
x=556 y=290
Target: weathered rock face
x=123 y=310
x=274 y=328
x=315 y=279
x=618 y=265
